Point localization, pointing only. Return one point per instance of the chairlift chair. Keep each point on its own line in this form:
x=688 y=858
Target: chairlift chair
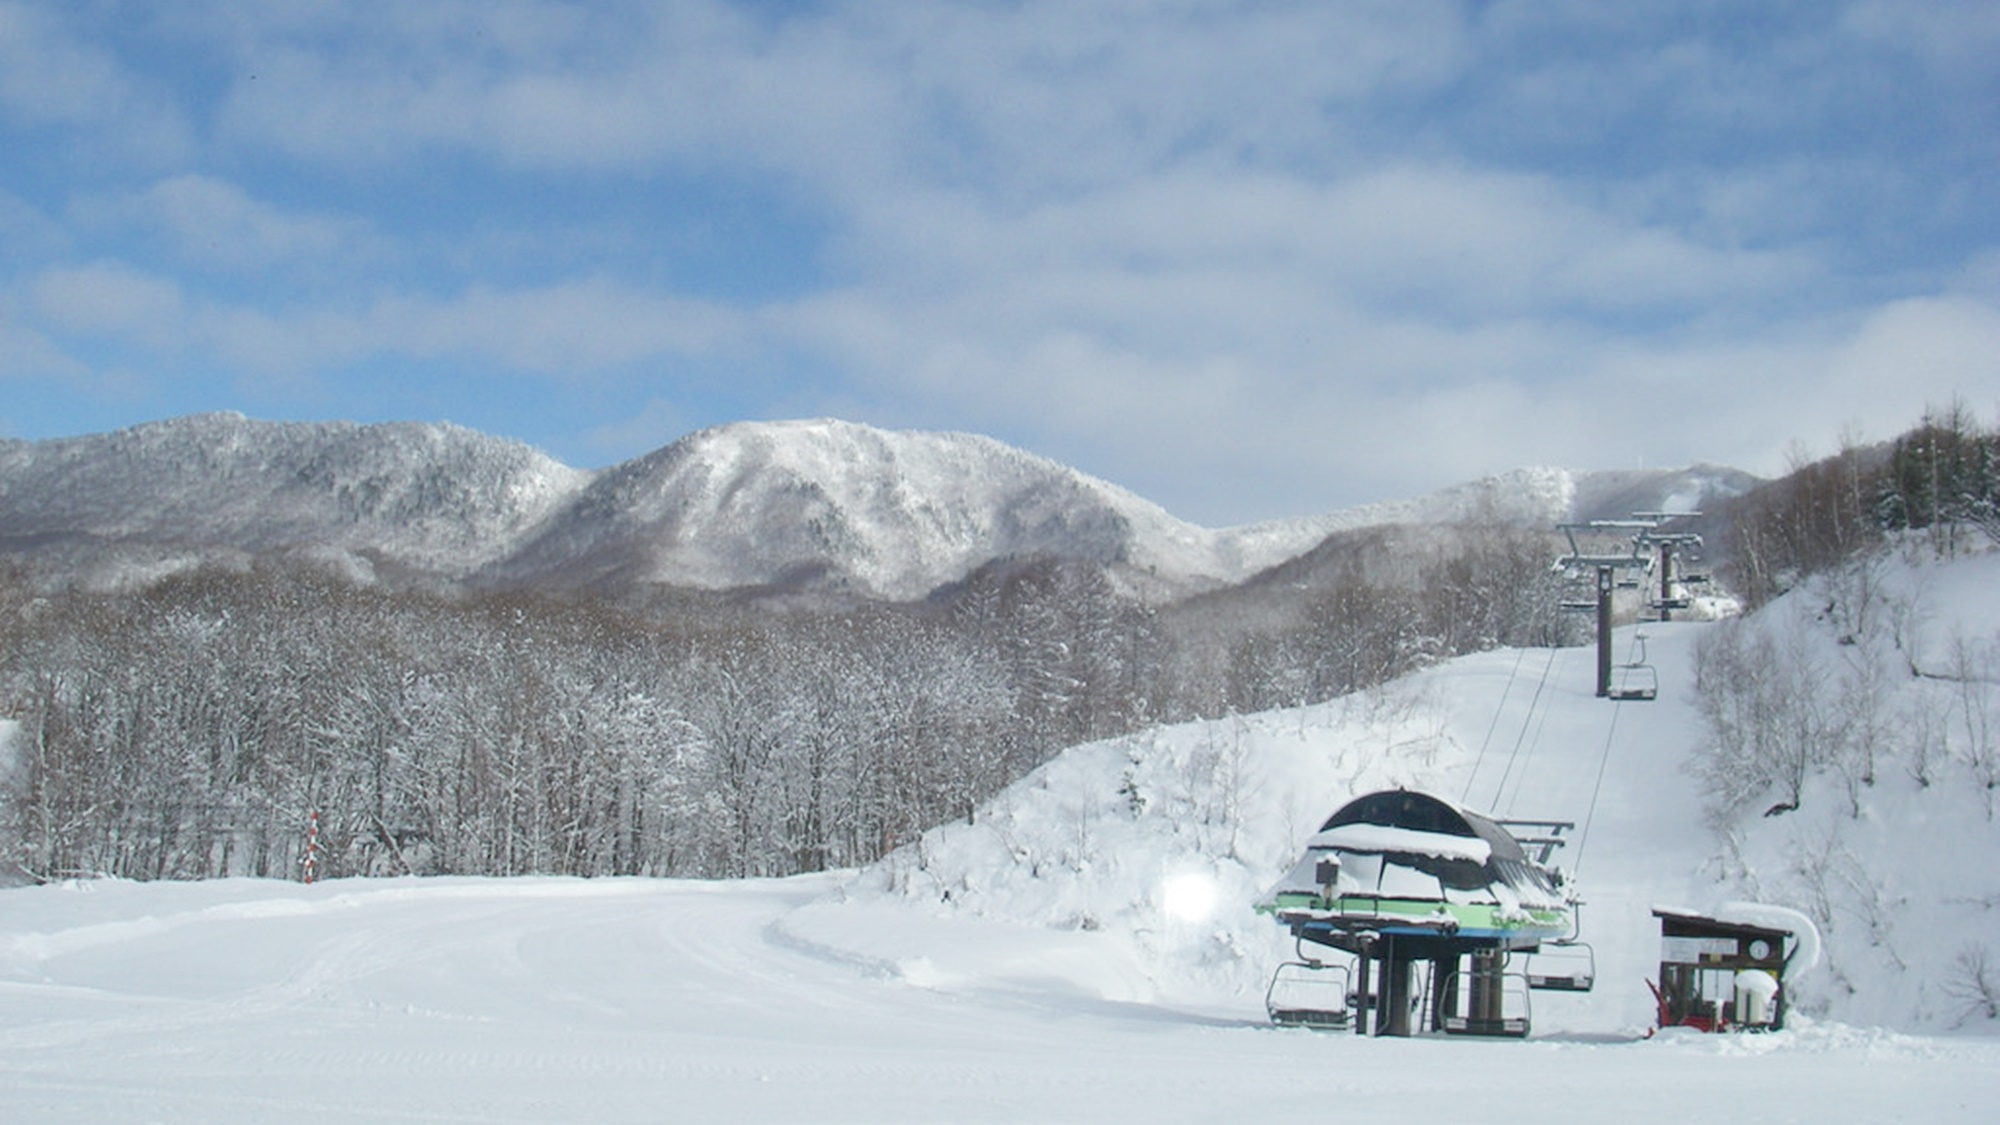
x=1310 y=993
x=1638 y=681
x=1563 y=966
x=1486 y=1002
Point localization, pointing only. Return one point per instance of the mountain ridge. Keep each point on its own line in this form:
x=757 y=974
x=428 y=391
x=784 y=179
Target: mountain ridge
x=808 y=505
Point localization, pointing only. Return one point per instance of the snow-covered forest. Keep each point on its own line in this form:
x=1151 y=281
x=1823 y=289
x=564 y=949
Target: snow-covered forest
x=188 y=729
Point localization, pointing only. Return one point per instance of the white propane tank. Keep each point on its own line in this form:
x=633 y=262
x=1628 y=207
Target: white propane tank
x=1756 y=994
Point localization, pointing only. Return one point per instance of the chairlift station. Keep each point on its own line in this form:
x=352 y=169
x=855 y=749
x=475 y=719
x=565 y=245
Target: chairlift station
x=1432 y=903
x=1412 y=915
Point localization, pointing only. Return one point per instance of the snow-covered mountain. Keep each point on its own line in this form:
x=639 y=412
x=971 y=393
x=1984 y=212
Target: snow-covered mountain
x=849 y=506
x=824 y=505
x=435 y=499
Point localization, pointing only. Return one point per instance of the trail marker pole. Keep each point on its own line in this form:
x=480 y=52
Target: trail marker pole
x=311 y=860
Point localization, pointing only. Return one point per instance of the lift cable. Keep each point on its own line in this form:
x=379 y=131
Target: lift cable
x=1590 y=814
x=1603 y=762
x=1527 y=721
x=1480 y=759
x=1521 y=779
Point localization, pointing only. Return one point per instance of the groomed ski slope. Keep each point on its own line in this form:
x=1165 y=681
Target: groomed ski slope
x=557 y=1001
x=1051 y=961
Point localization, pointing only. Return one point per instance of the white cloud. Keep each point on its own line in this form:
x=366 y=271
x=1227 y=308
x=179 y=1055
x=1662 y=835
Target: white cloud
x=568 y=329
x=213 y=220
x=112 y=299
x=656 y=423
x=1961 y=34
x=28 y=354
x=852 y=97
x=210 y=223
x=1249 y=354
x=1414 y=323
x=571 y=329
x=48 y=78
x=26 y=234
x=1920 y=351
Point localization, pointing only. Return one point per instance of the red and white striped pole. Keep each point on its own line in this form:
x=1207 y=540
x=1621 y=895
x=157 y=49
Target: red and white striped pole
x=312 y=845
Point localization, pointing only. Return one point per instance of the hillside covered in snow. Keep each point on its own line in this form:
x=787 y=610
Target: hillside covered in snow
x=1890 y=673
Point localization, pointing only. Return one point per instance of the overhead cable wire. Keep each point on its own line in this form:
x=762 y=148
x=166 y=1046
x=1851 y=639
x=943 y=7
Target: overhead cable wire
x=1526 y=722
x=1480 y=759
x=1603 y=762
x=1590 y=814
x=1521 y=780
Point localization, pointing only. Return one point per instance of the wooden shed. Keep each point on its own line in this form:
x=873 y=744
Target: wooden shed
x=1720 y=975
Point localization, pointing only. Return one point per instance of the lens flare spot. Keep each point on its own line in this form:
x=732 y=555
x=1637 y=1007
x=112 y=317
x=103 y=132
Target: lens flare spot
x=1189 y=898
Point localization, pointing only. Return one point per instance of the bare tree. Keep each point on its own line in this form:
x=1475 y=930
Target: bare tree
x=1973 y=984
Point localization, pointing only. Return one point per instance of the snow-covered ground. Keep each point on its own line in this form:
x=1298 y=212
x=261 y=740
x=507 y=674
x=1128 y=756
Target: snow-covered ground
x=1082 y=950
x=628 y=1000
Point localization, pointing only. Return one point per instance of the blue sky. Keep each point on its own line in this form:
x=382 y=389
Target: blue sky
x=1247 y=259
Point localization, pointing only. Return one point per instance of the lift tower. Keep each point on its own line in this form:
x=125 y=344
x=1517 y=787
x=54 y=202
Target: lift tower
x=1668 y=546
x=1608 y=566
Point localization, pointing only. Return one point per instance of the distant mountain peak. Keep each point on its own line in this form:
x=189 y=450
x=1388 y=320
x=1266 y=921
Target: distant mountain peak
x=877 y=512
